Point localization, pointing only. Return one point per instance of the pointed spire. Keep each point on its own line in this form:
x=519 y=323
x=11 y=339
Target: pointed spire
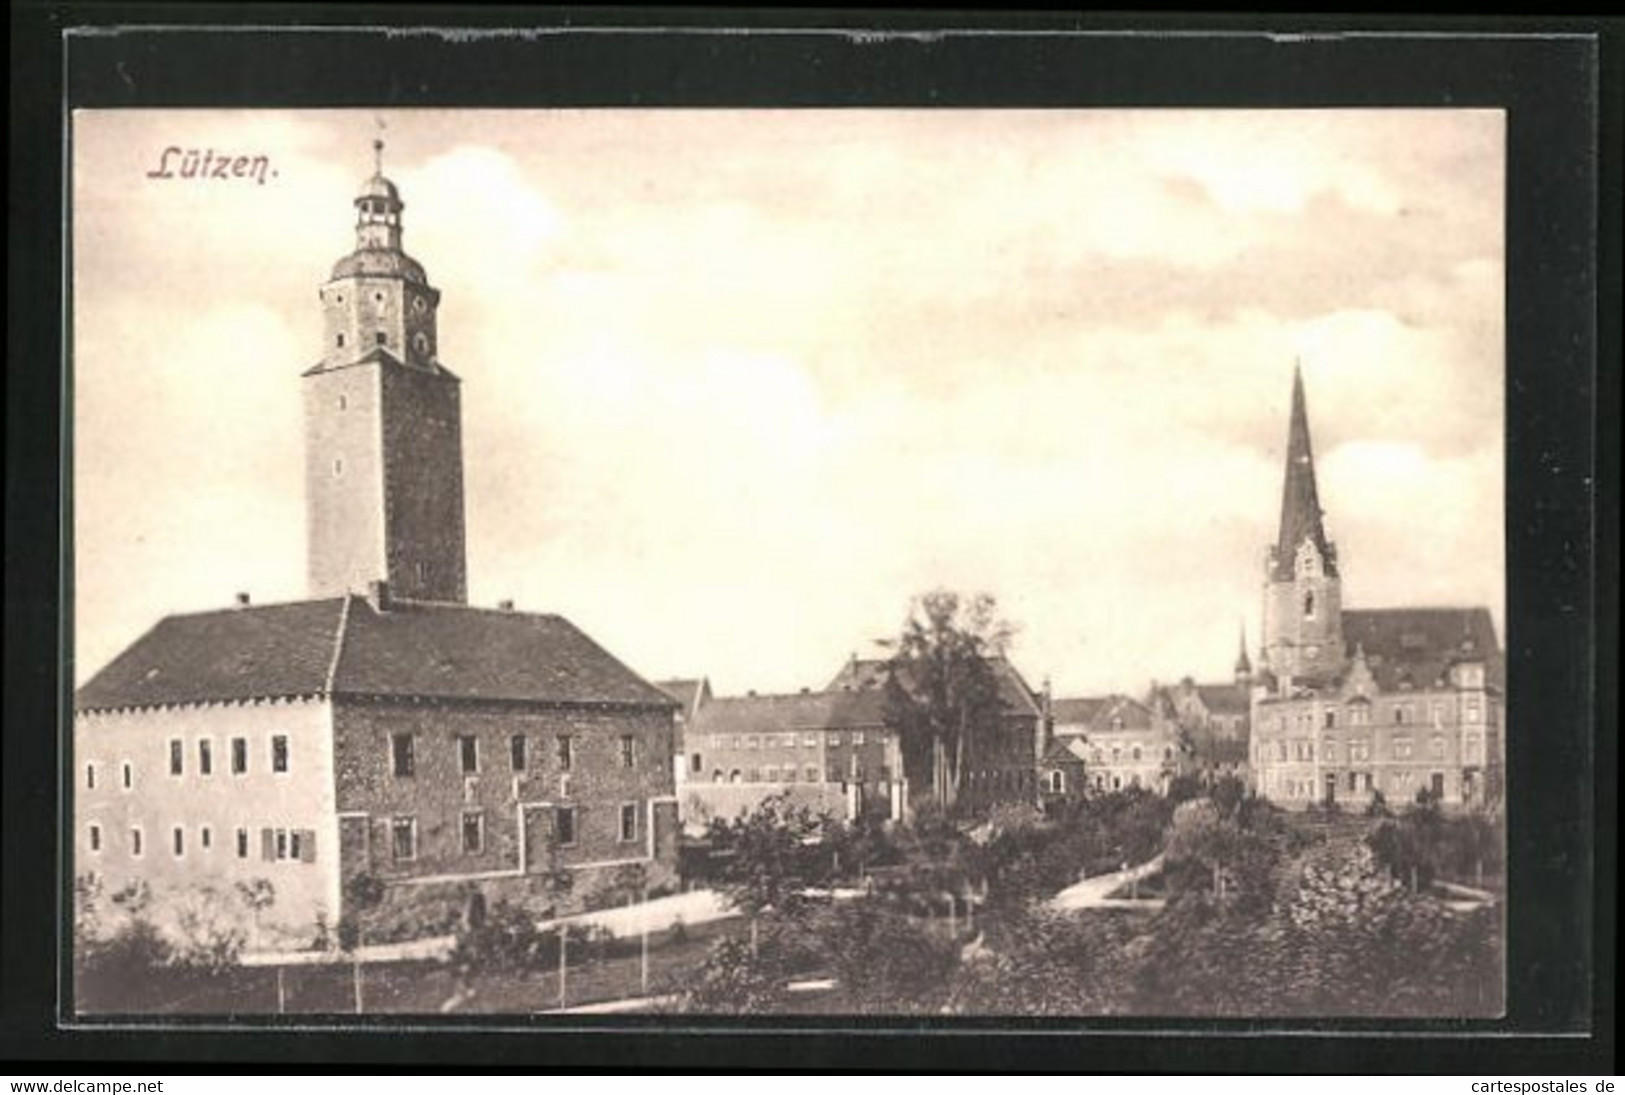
x=1300 y=501
x=1244 y=665
x=377 y=155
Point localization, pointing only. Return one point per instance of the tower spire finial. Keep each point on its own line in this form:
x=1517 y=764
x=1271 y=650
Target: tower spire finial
x=1300 y=501
x=377 y=155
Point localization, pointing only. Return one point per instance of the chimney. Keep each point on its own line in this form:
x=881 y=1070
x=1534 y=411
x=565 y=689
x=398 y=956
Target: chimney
x=505 y=605
x=805 y=690
x=378 y=595
x=242 y=600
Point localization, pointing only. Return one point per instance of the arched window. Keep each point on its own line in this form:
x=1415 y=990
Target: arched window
x=1309 y=604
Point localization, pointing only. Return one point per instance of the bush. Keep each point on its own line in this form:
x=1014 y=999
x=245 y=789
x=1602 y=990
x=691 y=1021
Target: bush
x=735 y=981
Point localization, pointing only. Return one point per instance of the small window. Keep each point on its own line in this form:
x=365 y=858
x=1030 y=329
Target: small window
x=239 y=756
x=129 y=776
x=338 y=340
x=282 y=844
x=402 y=756
x=857 y=737
x=567 y=752
x=629 y=822
x=383 y=339
x=473 y=832
x=516 y=752
x=177 y=757
x=242 y=843
x=468 y=753
x=811 y=773
x=344 y=400
x=1308 y=605
x=1437 y=745
x=835 y=737
x=404 y=832
x=90 y=777
x=753 y=742
x=279 y=752
x=95 y=838
x=180 y=841
x=135 y=842
x=695 y=767
x=205 y=837
x=564 y=825
x=771 y=773
x=809 y=741
x=1331 y=720
x=629 y=750
x=338 y=466
x=789 y=773
x=205 y=757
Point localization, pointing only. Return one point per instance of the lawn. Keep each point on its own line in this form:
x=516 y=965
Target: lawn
x=413 y=988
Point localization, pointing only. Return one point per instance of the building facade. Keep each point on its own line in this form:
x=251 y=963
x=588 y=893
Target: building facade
x=831 y=750
x=383 y=728
x=1350 y=704
x=1001 y=757
x=1124 y=744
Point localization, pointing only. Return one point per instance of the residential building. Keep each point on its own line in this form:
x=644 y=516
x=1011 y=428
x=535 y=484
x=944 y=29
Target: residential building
x=690 y=695
x=1124 y=743
x=1001 y=758
x=1350 y=703
x=832 y=750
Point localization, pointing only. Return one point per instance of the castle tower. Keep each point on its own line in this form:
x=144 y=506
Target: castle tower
x=1303 y=626
x=383 y=423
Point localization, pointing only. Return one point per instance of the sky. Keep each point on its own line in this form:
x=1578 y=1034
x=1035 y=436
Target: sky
x=737 y=385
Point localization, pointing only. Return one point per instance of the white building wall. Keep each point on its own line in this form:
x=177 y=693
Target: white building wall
x=157 y=803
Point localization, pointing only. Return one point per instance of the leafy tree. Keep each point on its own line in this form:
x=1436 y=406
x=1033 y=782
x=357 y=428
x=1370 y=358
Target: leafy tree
x=771 y=856
x=941 y=684
x=257 y=895
x=209 y=932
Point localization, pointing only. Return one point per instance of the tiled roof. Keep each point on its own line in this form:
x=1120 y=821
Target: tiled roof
x=1417 y=646
x=1225 y=699
x=1134 y=715
x=231 y=654
x=430 y=651
x=831 y=710
x=1077 y=711
x=688 y=693
x=1065 y=750
x=870 y=673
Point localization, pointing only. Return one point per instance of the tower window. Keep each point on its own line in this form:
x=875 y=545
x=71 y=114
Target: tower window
x=338 y=340
x=1308 y=604
x=383 y=339
x=344 y=400
x=338 y=466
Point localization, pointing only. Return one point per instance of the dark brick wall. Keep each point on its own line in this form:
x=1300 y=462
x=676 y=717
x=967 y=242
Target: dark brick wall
x=423 y=484
x=439 y=792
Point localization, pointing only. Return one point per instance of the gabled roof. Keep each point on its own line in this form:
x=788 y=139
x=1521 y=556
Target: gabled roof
x=1225 y=699
x=833 y=710
x=231 y=654
x=689 y=694
x=861 y=674
x=1067 y=749
x=1129 y=712
x=1418 y=646
x=1077 y=711
x=345 y=646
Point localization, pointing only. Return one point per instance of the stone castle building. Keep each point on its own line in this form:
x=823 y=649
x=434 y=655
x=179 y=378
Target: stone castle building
x=1351 y=703
x=384 y=727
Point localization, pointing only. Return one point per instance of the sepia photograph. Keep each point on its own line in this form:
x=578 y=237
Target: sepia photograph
x=968 y=563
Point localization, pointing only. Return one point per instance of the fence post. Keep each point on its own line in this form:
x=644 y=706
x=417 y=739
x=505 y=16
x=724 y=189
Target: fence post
x=281 y=993
x=564 y=943
x=643 y=947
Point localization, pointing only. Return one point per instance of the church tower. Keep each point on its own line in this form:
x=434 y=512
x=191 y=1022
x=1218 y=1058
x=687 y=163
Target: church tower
x=1303 y=625
x=383 y=423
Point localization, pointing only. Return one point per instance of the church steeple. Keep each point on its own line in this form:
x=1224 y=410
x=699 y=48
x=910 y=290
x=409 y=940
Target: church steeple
x=1303 y=625
x=1244 y=664
x=1301 y=516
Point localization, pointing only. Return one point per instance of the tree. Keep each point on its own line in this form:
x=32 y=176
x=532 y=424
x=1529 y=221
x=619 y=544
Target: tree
x=769 y=857
x=257 y=895
x=941 y=684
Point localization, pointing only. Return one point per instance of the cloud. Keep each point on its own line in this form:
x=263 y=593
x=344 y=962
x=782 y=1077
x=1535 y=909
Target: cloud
x=738 y=384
